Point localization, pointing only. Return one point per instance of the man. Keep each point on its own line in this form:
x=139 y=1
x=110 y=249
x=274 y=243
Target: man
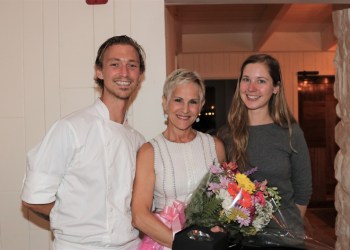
x=81 y=174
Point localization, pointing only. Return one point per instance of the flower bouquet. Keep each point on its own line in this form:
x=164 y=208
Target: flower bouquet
x=229 y=199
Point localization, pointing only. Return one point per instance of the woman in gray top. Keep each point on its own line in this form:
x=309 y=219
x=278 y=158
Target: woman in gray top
x=262 y=132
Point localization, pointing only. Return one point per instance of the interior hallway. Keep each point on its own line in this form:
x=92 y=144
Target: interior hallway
x=320 y=225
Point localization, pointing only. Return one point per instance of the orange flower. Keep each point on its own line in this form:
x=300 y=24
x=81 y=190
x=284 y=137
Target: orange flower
x=233 y=189
x=245 y=201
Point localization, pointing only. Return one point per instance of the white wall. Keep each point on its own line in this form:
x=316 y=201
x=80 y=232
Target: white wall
x=47 y=50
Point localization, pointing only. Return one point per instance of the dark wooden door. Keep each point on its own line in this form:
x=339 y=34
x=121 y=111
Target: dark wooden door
x=317 y=118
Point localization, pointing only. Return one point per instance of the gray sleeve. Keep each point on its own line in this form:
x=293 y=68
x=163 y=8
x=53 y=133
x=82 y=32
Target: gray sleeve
x=301 y=167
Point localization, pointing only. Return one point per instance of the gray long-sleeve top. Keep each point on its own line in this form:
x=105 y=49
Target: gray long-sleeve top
x=290 y=171
x=269 y=150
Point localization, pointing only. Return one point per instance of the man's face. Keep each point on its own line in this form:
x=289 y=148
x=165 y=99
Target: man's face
x=120 y=71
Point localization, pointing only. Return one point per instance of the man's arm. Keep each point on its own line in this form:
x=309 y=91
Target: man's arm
x=42 y=210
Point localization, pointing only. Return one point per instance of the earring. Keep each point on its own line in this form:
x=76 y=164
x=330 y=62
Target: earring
x=165 y=116
x=197 y=120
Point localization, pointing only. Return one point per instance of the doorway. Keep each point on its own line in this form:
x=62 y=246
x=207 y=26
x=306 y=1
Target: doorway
x=218 y=98
x=317 y=118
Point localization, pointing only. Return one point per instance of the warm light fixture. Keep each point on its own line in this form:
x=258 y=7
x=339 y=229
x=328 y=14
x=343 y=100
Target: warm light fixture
x=93 y=2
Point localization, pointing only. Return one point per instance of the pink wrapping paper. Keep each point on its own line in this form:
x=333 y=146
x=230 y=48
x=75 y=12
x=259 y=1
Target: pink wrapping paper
x=173 y=217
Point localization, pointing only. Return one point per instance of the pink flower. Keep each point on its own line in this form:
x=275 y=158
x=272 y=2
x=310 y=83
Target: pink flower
x=216 y=169
x=243 y=222
x=260 y=197
x=214 y=186
x=223 y=182
x=262 y=186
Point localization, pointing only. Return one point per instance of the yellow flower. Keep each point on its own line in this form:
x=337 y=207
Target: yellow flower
x=234 y=214
x=245 y=183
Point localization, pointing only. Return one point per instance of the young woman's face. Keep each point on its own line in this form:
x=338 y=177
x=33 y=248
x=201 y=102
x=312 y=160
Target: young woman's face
x=256 y=87
x=183 y=106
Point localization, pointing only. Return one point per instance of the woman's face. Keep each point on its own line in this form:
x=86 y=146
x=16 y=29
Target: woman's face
x=256 y=87
x=183 y=106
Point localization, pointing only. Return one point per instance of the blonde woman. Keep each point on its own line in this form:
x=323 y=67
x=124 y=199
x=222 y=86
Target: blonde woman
x=171 y=165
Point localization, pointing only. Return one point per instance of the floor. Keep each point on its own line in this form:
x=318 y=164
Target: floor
x=320 y=228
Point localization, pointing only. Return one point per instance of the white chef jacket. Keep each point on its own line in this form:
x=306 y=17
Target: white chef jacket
x=86 y=164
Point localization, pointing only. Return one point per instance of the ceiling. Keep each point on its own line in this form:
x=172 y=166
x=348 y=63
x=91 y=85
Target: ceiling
x=262 y=20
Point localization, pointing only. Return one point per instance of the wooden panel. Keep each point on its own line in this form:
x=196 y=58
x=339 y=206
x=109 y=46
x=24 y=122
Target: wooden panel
x=218 y=18
x=11 y=51
x=313 y=122
x=318 y=161
x=33 y=68
x=76 y=44
x=51 y=59
x=171 y=36
x=148 y=17
x=318 y=119
x=106 y=14
x=308 y=16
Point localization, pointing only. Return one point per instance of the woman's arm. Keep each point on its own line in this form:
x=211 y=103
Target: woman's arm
x=142 y=199
x=220 y=150
x=301 y=170
x=302 y=209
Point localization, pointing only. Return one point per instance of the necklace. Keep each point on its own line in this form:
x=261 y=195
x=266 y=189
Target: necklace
x=191 y=135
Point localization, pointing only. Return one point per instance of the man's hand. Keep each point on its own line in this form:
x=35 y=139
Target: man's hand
x=42 y=210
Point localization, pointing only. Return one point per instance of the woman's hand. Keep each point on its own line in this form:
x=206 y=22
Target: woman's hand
x=217 y=229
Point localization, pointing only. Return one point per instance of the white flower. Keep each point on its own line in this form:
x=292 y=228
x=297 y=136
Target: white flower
x=264 y=215
x=227 y=199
